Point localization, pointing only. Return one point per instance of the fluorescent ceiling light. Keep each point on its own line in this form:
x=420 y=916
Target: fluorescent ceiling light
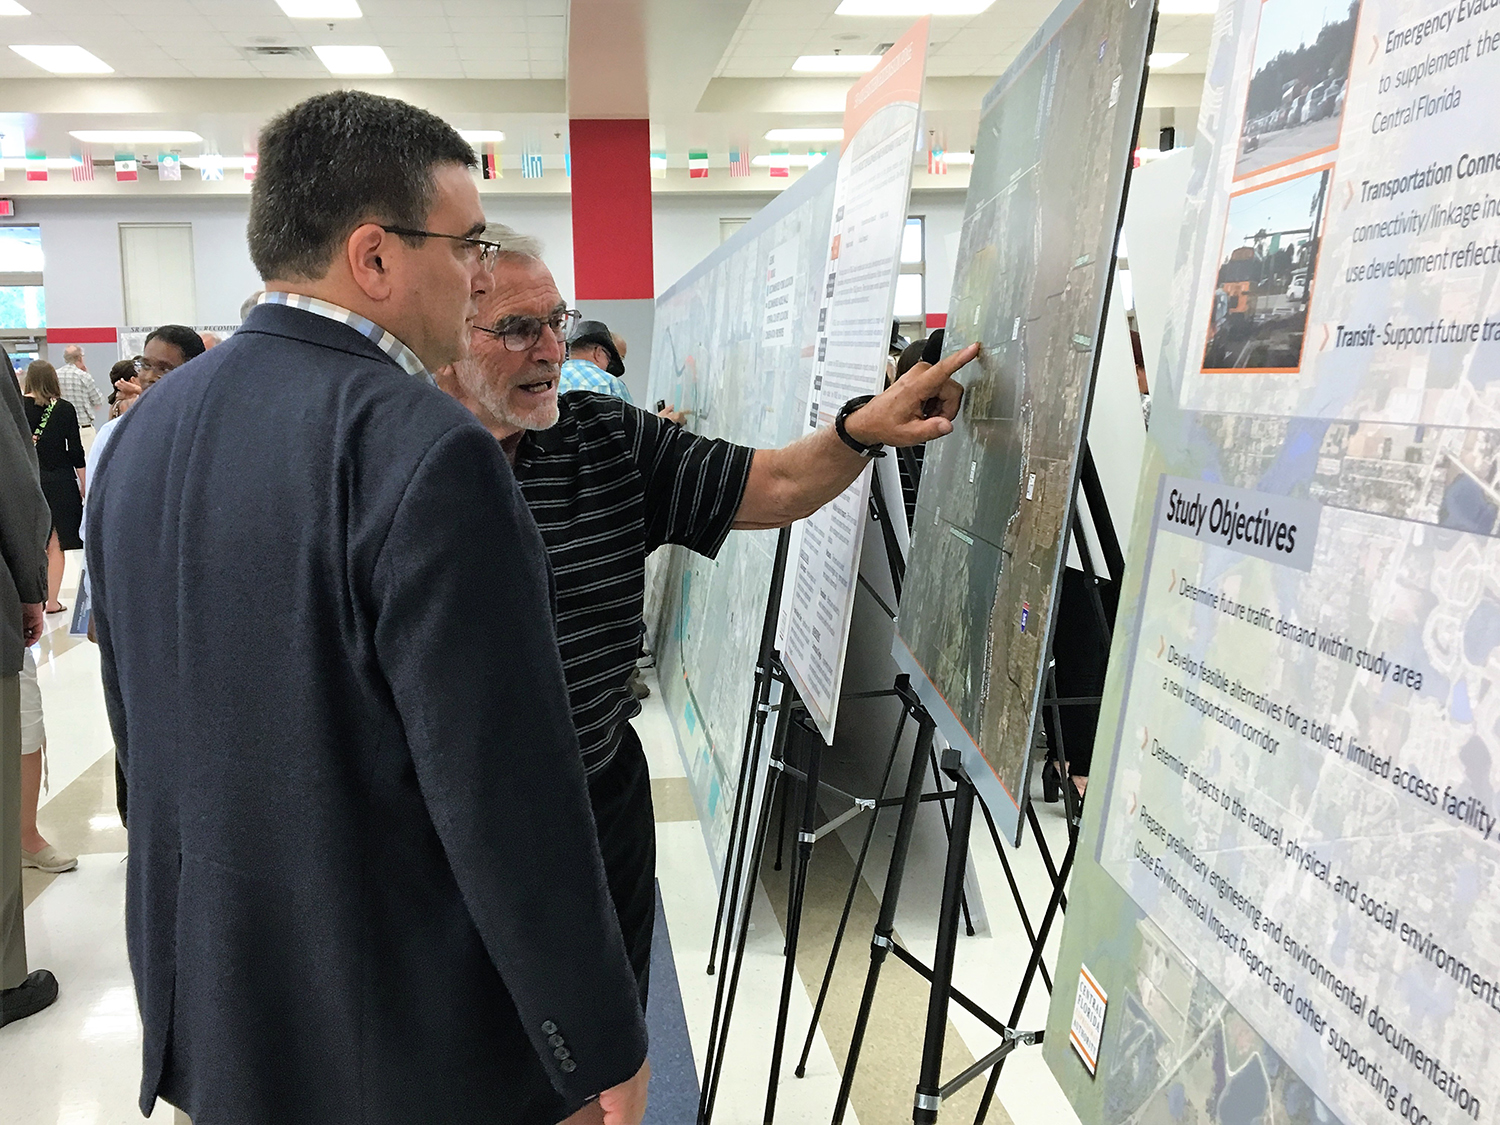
x=136 y=136
x=227 y=162
x=11 y=8
x=912 y=7
x=1188 y=7
x=321 y=9
x=836 y=64
x=354 y=60
x=1160 y=60
x=481 y=136
x=63 y=59
x=805 y=135
x=958 y=157
x=790 y=160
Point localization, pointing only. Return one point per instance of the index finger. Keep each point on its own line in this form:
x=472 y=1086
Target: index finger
x=931 y=377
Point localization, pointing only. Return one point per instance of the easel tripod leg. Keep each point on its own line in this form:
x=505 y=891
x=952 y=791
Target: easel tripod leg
x=885 y=925
x=929 y=1082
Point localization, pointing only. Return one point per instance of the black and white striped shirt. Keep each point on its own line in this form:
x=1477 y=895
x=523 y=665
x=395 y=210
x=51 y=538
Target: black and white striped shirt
x=608 y=485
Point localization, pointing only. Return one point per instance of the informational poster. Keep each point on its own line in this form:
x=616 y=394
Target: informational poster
x=733 y=345
x=863 y=258
x=1291 y=879
x=1045 y=196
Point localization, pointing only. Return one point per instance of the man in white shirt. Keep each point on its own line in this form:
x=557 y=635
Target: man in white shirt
x=79 y=388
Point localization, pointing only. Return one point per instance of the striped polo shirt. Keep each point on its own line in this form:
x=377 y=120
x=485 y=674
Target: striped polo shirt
x=608 y=485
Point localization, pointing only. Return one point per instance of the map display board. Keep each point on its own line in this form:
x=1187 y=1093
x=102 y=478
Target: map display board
x=1035 y=258
x=1289 y=883
x=733 y=344
x=882 y=116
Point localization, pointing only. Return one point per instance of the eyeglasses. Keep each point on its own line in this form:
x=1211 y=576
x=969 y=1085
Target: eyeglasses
x=520 y=333
x=487 y=252
x=154 y=366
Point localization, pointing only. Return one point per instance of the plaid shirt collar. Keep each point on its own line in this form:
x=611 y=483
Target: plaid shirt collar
x=404 y=356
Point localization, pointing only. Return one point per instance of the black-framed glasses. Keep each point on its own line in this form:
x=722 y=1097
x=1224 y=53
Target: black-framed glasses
x=487 y=251
x=520 y=333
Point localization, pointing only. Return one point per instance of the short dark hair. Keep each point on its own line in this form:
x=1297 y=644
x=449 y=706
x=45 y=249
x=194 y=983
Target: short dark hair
x=183 y=338
x=338 y=160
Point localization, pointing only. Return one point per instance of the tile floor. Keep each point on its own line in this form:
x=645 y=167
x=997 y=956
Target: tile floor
x=78 y=1062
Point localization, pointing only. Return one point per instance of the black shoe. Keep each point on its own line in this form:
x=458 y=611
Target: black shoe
x=1051 y=782
x=28 y=998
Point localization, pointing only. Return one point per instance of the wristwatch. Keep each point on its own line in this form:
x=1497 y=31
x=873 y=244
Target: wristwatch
x=876 y=450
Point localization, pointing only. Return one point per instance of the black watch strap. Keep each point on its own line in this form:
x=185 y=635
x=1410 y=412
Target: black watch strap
x=838 y=425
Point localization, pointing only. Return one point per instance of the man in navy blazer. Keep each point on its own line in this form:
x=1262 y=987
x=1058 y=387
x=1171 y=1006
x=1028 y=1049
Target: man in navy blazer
x=363 y=882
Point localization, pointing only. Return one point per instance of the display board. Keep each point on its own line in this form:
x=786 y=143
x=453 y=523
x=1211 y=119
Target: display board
x=860 y=265
x=733 y=344
x=1288 y=878
x=1034 y=267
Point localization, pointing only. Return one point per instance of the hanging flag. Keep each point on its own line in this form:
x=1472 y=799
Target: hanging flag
x=568 y=163
x=739 y=162
x=937 y=161
x=698 y=165
x=36 y=166
x=125 y=167
x=169 y=166
x=816 y=158
x=83 y=169
x=658 y=166
x=489 y=162
x=252 y=162
x=211 y=166
x=531 y=164
x=781 y=164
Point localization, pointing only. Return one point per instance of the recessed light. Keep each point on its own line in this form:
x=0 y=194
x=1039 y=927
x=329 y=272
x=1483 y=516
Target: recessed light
x=1160 y=60
x=481 y=136
x=136 y=136
x=805 y=135
x=1188 y=7
x=63 y=59
x=835 y=64
x=11 y=8
x=912 y=7
x=354 y=60
x=321 y=9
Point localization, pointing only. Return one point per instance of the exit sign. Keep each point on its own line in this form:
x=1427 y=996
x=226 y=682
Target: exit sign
x=7 y=208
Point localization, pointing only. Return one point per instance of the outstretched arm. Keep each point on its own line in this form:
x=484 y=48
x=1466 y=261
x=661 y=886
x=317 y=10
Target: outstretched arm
x=792 y=482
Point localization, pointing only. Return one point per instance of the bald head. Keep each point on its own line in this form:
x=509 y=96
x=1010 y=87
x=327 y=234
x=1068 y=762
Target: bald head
x=74 y=354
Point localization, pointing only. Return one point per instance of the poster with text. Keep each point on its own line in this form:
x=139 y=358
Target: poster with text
x=1291 y=861
x=881 y=118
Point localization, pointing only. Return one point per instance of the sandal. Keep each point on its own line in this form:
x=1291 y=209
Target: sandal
x=60 y=609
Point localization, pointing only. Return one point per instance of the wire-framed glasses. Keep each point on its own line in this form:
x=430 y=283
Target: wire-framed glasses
x=520 y=333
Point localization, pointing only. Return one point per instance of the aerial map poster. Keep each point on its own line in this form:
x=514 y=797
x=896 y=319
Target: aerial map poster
x=1035 y=257
x=1289 y=881
x=733 y=345
x=860 y=264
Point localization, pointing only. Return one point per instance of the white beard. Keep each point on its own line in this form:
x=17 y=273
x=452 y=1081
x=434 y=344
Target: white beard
x=496 y=402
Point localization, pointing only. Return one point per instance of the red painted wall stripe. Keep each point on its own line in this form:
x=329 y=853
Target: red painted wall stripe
x=611 y=210
x=937 y=320
x=82 y=336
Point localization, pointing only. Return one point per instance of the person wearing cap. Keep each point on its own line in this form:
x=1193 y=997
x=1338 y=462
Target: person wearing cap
x=594 y=363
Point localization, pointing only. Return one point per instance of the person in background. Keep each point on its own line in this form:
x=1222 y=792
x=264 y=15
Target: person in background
x=79 y=388
x=35 y=850
x=167 y=348
x=594 y=362
x=363 y=880
x=24 y=526
x=608 y=483
x=210 y=340
x=61 y=459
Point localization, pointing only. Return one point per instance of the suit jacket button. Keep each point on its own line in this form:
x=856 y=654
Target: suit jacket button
x=549 y=1028
x=561 y=1053
x=568 y=1066
x=555 y=1041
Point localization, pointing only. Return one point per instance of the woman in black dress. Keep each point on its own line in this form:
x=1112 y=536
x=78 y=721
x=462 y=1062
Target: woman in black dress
x=59 y=455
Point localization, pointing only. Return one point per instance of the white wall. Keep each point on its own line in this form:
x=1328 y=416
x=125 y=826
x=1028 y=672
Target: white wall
x=80 y=238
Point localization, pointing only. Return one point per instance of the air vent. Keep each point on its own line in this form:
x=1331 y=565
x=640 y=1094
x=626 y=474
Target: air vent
x=279 y=51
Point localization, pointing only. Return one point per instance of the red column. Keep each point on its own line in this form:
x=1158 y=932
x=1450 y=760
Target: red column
x=611 y=209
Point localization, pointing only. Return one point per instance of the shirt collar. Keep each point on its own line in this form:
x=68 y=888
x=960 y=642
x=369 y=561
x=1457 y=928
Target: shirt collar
x=404 y=356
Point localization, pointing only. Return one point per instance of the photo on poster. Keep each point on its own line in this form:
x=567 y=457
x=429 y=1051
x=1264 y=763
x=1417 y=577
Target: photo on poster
x=1299 y=79
x=1266 y=274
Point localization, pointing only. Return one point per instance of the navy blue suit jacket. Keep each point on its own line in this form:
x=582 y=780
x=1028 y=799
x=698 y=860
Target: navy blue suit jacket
x=363 y=884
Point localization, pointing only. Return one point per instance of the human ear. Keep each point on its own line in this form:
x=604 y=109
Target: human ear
x=370 y=268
